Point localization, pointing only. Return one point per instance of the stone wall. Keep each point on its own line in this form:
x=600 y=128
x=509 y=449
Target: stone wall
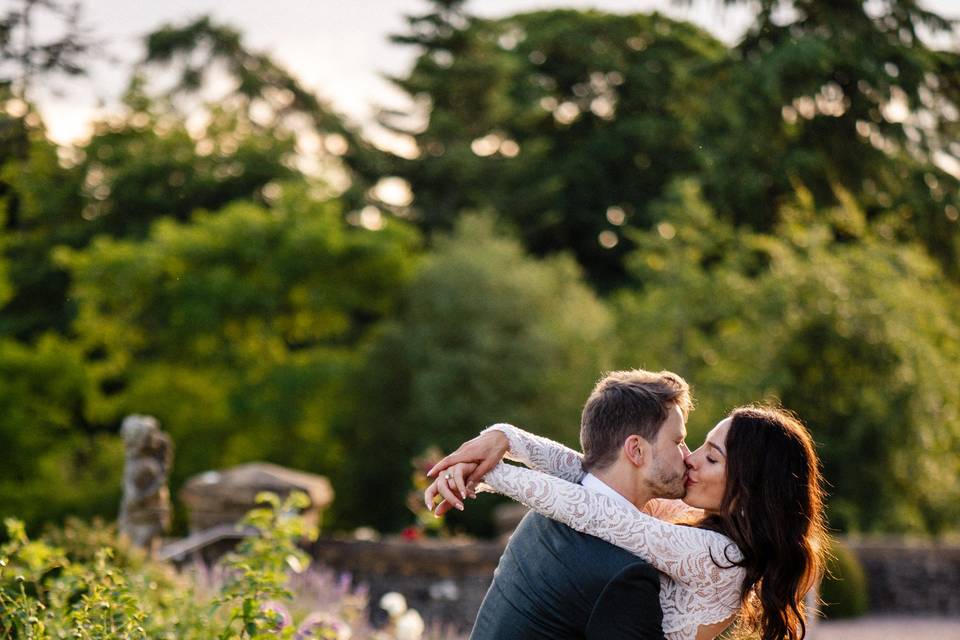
x=446 y=581
x=911 y=577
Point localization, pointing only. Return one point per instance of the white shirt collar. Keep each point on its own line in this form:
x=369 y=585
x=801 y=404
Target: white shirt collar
x=591 y=481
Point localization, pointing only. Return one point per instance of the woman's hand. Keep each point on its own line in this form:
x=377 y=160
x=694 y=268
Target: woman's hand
x=452 y=480
x=486 y=450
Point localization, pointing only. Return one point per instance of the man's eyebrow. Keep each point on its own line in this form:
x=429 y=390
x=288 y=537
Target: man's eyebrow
x=717 y=448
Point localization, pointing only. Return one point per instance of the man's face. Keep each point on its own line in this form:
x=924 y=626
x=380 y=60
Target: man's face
x=666 y=473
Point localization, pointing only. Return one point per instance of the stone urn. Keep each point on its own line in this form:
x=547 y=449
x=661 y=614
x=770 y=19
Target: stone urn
x=223 y=497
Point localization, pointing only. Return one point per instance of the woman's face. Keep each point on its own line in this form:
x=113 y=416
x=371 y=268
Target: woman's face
x=707 y=470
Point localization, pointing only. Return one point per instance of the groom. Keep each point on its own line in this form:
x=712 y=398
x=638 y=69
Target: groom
x=555 y=583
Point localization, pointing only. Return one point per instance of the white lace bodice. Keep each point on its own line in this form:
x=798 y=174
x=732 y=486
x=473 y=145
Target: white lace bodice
x=699 y=585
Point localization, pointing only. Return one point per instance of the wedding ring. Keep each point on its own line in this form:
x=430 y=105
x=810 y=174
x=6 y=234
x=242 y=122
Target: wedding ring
x=447 y=475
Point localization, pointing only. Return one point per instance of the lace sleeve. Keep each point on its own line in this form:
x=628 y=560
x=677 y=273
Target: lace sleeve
x=699 y=559
x=541 y=453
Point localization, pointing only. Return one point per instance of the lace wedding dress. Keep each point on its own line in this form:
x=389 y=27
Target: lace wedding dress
x=699 y=584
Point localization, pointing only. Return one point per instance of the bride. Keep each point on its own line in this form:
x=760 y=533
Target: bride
x=745 y=543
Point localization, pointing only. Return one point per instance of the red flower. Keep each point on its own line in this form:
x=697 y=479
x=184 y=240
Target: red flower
x=411 y=534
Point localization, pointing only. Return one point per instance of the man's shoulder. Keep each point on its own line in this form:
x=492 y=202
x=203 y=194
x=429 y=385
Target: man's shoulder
x=589 y=580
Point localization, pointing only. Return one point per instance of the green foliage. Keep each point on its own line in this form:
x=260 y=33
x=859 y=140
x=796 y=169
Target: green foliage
x=606 y=110
x=238 y=329
x=843 y=590
x=257 y=571
x=838 y=331
x=551 y=118
x=779 y=218
x=41 y=200
x=82 y=582
x=68 y=585
x=136 y=169
x=49 y=442
x=486 y=334
x=147 y=165
x=842 y=93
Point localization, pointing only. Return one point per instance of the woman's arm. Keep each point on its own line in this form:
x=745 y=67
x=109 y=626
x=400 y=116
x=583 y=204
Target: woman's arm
x=504 y=440
x=541 y=454
x=686 y=554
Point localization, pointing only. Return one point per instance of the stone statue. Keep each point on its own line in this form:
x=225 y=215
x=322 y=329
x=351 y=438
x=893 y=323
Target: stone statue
x=145 y=509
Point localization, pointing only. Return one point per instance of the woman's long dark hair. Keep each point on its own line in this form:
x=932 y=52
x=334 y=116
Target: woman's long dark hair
x=773 y=510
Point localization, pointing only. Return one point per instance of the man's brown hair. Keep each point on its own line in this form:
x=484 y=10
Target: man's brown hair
x=626 y=403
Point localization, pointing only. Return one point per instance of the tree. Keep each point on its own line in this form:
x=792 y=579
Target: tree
x=486 y=334
x=237 y=329
x=841 y=93
x=44 y=200
x=142 y=163
x=565 y=123
x=860 y=339
x=24 y=57
x=570 y=124
x=25 y=154
x=137 y=167
x=264 y=95
x=53 y=465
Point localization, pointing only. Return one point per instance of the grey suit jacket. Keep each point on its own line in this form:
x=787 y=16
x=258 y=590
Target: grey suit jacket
x=555 y=583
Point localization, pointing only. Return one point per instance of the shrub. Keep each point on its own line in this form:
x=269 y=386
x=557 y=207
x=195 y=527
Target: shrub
x=844 y=587
x=487 y=334
x=82 y=582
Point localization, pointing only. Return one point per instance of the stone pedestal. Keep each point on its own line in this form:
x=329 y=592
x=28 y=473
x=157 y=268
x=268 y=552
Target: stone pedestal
x=223 y=497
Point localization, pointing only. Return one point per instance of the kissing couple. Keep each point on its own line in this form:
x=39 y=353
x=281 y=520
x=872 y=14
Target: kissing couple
x=638 y=537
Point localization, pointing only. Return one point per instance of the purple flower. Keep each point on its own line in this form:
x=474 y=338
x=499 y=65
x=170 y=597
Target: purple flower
x=321 y=625
x=278 y=613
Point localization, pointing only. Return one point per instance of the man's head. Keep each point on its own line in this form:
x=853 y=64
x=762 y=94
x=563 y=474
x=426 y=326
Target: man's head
x=637 y=418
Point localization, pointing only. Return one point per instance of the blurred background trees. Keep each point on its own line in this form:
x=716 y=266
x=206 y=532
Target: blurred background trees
x=486 y=334
x=777 y=219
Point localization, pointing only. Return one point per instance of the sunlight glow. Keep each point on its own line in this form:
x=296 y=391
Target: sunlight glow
x=608 y=239
x=393 y=191
x=616 y=215
x=566 y=113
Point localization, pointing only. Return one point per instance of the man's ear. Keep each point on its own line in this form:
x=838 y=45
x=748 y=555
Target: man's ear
x=637 y=450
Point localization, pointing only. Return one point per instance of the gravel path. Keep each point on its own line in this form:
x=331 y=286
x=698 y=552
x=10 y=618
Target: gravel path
x=889 y=628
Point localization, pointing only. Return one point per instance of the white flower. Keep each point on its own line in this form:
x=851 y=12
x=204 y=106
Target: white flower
x=393 y=603
x=410 y=626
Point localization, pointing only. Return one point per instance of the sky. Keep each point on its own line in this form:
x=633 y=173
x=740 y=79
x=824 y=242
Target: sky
x=339 y=48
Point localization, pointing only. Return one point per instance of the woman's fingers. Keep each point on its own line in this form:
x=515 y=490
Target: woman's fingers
x=443 y=485
x=430 y=495
x=448 y=461
x=462 y=470
x=442 y=509
x=457 y=471
x=487 y=449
